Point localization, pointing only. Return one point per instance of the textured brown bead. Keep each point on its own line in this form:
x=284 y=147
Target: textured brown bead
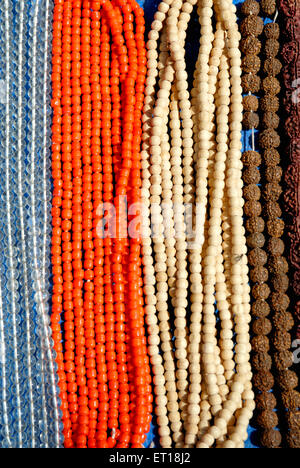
x=270 y=120
x=267 y=419
x=257 y=257
x=271 y=48
x=282 y=340
x=252 y=25
x=262 y=362
x=277 y=264
x=270 y=85
x=291 y=399
x=251 y=64
x=271 y=438
x=293 y=439
x=268 y=6
x=250 y=7
x=293 y=419
x=271 y=157
x=259 y=274
x=260 y=308
x=269 y=103
x=272 y=209
x=251 y=175
x=287 y=380
x=269 y=138
x=272 y=67
x=250 y=120
x=251 y=158
x=250 y=103
x=272 y=191
x=283 y=321
x=275 y=246
x=283 y=360
x=271 y=31
x=250 y=45
x=275 y=227
x=265 y=401
x=250 y=83
x=260 y=344
x=279 y=302
x=280 y=283
x=257 y=239
x=252 y=208
x=255 y=225
x=262 y=326
x=261 y=291
x=263 y=381
x=273 y=173
x=252 y=192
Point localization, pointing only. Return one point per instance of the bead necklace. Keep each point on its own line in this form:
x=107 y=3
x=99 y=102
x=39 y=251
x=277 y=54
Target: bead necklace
x=199 y=151
x=28 y=385
x=266 y=417
x=289 y=12
x=282 y=320
x=97 y=101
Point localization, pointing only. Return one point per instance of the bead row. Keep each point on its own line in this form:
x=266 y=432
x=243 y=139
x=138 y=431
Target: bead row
x=98 y=91
x=269 y=140
x=266 y=418
x=191 y=391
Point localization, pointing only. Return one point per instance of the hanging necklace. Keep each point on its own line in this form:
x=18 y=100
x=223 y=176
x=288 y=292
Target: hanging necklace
x=200 y=383
x=98 y=85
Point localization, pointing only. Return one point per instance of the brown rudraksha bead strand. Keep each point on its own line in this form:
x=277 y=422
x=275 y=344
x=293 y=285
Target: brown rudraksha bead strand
x=266 y=418
x=290 y=53
x=289 y=15
x=282 y=320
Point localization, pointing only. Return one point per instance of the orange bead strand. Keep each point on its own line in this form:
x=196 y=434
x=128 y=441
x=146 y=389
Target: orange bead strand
x=98 y=322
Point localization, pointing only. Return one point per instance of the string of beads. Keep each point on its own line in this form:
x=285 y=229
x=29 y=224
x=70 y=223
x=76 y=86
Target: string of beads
x=191 y=144
x=266 y=418
x=286 y=379
x=99 y=71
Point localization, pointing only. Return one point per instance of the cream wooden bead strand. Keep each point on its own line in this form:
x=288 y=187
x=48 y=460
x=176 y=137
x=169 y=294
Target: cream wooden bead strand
x=168 y=212
x=167 y=196
x=214 y=240
x=205 y=416
x=243 y=340
x=222 y=102
x=238 y=386
x=159 y=249
x=197 y=248
x=223 y=300
x=178 y=202
x=202 y=147
x=195 y=388
x=165 y=9
x=149 y=272
x=180 y=231
x=214 y=63
x=185 y=138
x=169 y=364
